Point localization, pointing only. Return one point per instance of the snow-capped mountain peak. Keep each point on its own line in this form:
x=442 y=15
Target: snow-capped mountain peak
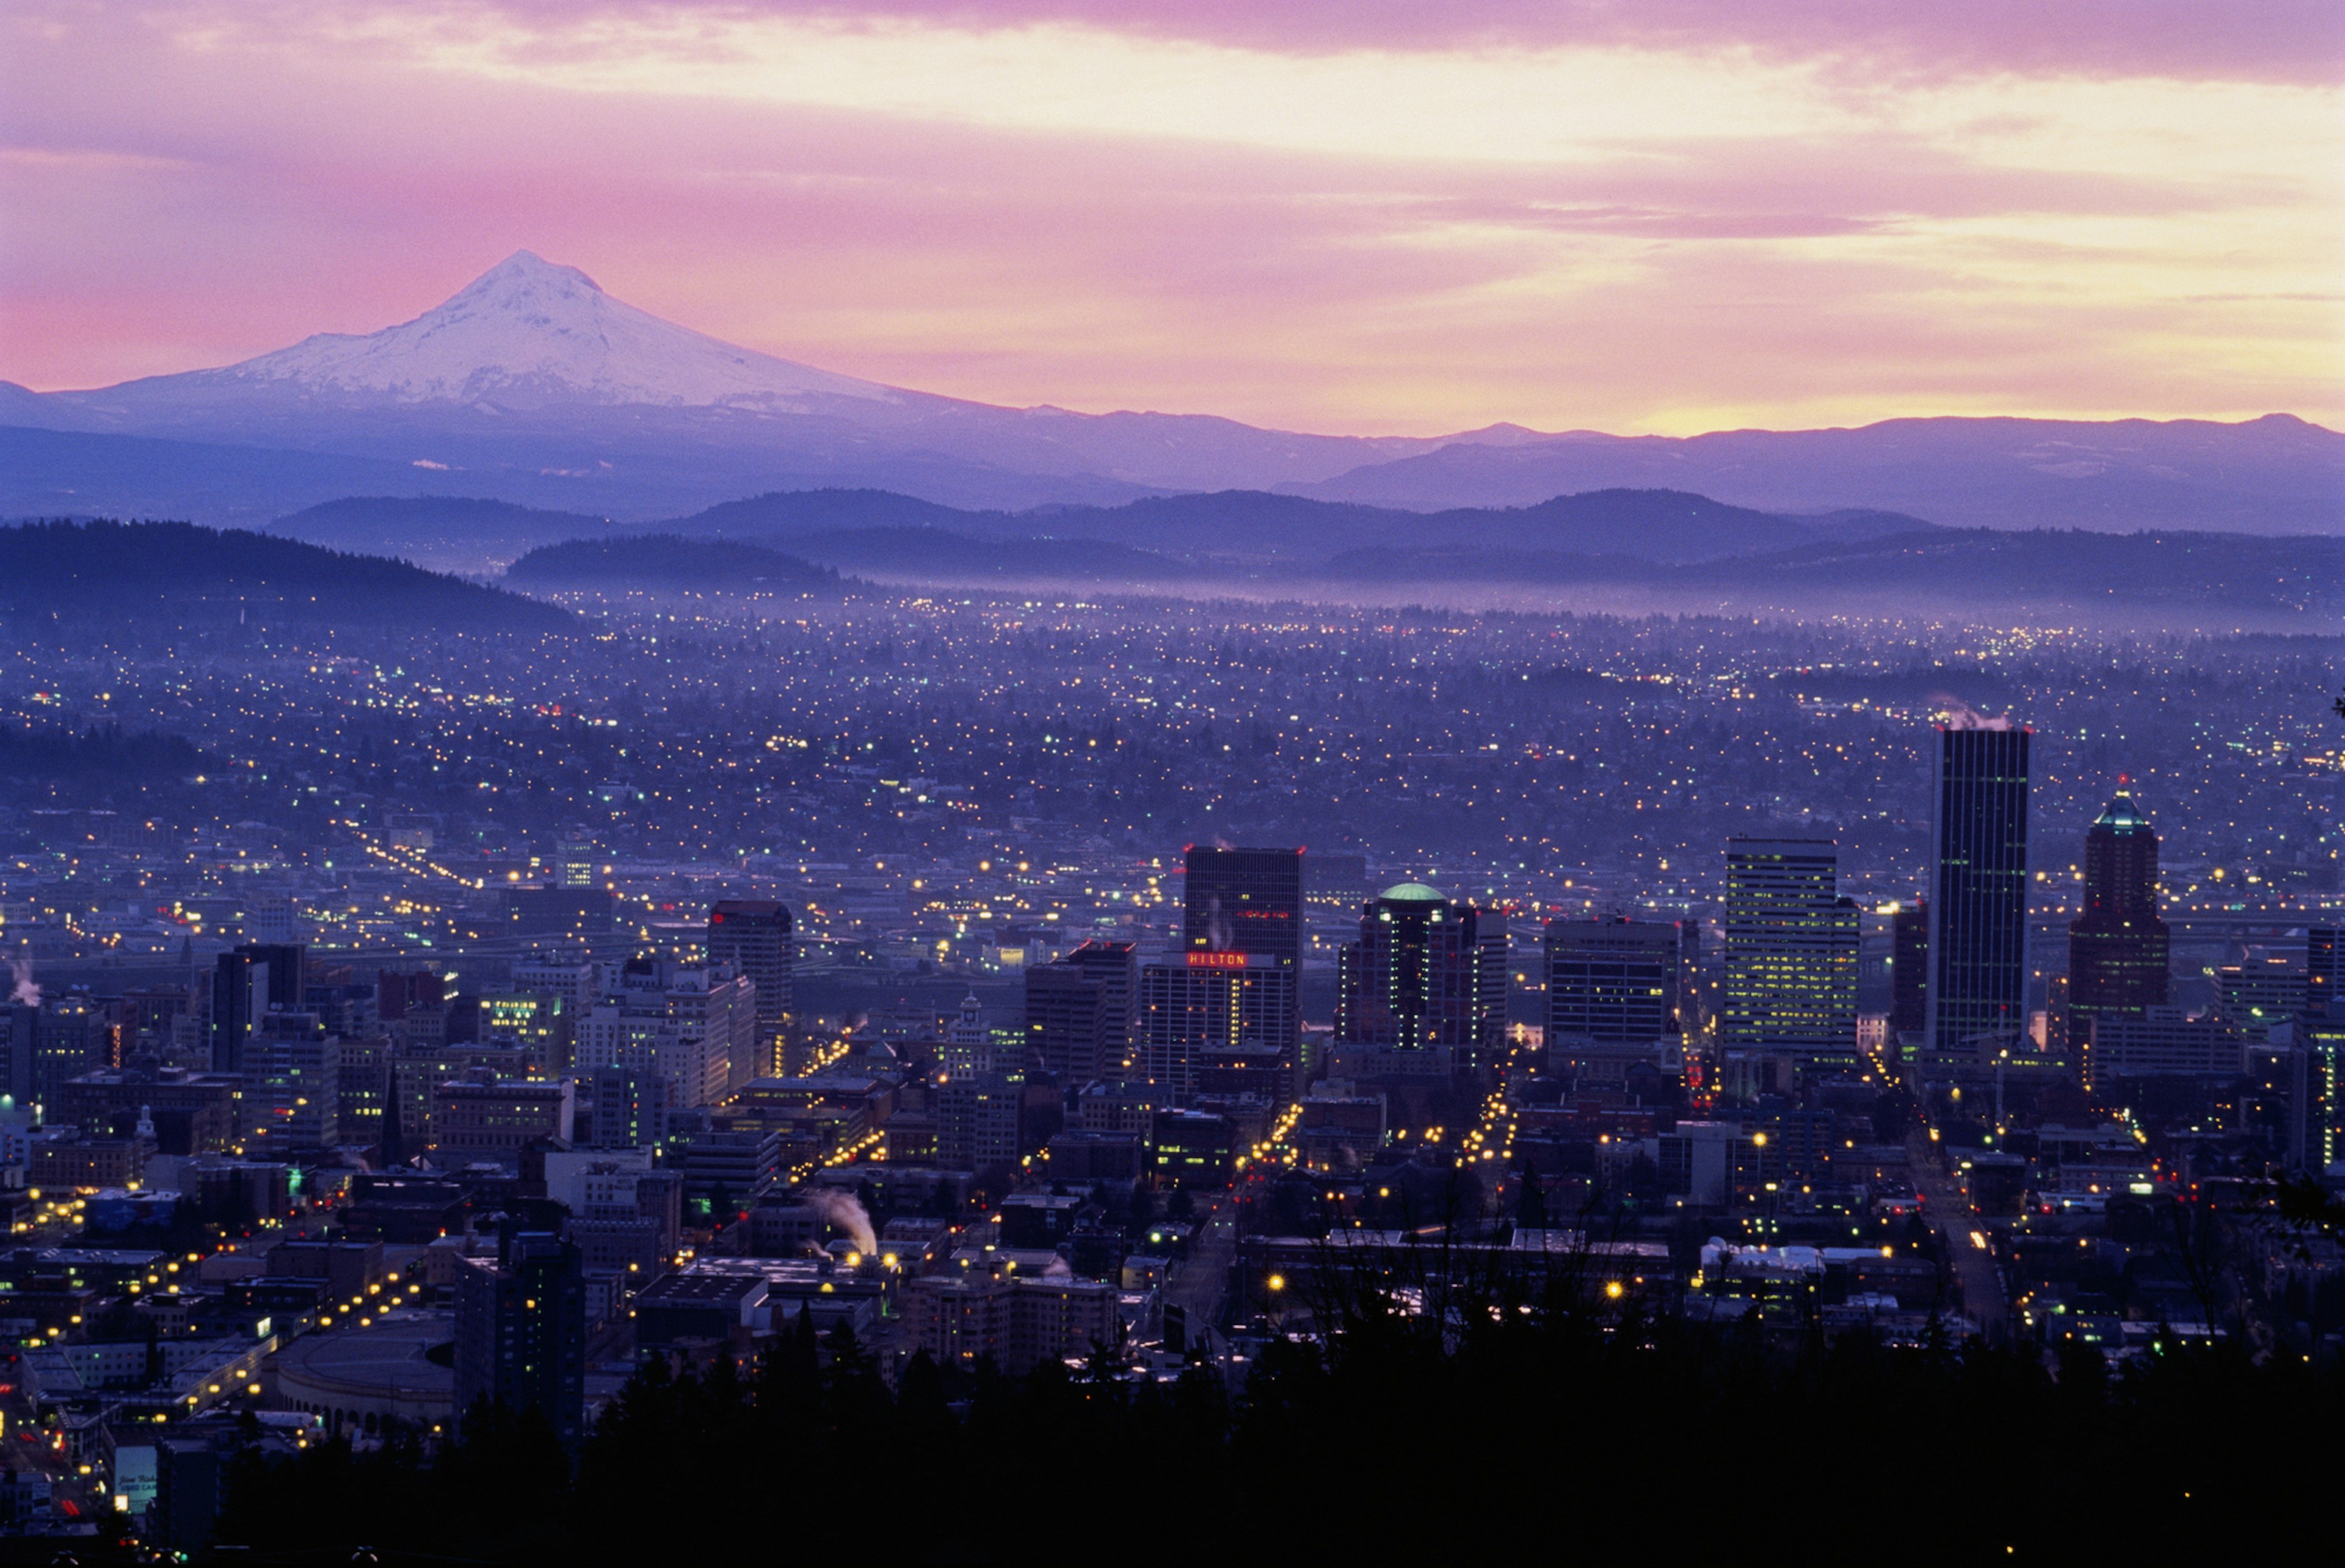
x=529 y=333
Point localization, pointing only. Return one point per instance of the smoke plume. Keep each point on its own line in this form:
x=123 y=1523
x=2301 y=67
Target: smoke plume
x=24 y=991
x=846 y=1212
x=1960 y=716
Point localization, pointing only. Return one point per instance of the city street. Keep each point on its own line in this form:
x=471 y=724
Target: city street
x=1199 y=1283
x=1946 y=1206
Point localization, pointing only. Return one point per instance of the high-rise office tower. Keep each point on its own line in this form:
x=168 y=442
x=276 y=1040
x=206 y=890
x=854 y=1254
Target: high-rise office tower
x=2324 y=1044
x=247 y=981
x=1116 y=966
x=1244 y=909
x=1066 y=1022
x=755 y=938
x=1611 y=984
x=2117 y=946
x=2321 y=1000
x=71 y=1035
x=1978 y=891
x=1790 y=953
x=1212 y=1008
x=18 y=1022
x=695 y=1026
x=1427 y=975
x=630 y=1108
x=1909 y=969
x=977 y=1127
x=293 y=1084
x=521 y=1331
x=1079 y=1012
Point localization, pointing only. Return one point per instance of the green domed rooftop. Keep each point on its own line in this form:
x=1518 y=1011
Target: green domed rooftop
x=1414 y=892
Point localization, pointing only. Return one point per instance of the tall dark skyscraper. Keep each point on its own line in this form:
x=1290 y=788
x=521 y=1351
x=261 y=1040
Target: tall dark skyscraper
x=755 y=938
x=2118 y=947
x=1611 y=984
x=1790 y=985
x=2324 y=1045
x=1427 y=975
x=247 y=981
x=1116 y=966
x=1909 y=971
x=19 y=1024
x=521 y=1331
x=1079 y=1011
x=1066 y=1021
x=1244 y=909
x=1978 y=892
x=2321 y=974
x=71 y=1035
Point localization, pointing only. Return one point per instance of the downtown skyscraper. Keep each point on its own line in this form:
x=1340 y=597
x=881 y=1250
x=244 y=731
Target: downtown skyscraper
x=1230 y=996
x=1614 y=988
x=1424 y=987
x=2118 y=946
x=756 y=938
x=1244 y=910
x=1791 y=955
x=1978 y=892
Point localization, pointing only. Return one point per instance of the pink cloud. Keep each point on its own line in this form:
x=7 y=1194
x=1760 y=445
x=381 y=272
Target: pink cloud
x=171 y=208
x=2298 y=41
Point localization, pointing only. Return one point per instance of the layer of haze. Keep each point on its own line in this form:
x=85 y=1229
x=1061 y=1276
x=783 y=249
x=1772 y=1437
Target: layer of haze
x=1372 y=217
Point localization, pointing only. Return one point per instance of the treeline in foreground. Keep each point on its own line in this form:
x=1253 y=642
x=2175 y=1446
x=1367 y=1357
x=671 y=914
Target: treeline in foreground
x=1626 y=1439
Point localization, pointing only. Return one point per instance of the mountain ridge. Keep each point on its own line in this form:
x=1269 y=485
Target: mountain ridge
x=541 y=388
x=1228 y=525
x=1983 y=472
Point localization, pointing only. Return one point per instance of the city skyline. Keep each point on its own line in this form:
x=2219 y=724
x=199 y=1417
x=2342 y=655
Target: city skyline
x=801 y=777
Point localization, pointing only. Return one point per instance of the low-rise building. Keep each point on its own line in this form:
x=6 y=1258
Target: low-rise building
x=1018 y=1322
x=484 y=1117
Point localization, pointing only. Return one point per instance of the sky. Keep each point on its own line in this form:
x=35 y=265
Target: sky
x=1363 y=216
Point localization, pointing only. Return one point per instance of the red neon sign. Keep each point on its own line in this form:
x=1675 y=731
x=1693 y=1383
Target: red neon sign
x=1217 y=960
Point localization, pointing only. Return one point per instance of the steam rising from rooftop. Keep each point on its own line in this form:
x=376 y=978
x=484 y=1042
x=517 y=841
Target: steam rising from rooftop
x=1956 y=714
x=844 y=1212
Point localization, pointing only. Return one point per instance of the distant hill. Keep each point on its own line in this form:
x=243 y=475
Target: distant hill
x=1173 y=536
x=1662 y=525
x=1655 y=538
x=1659 y=525
x=447 y=532
x=815 y=557
x=2242 y=572
x=2277 y=474
x=779 y=513
x=1650 y=539
x=668 y=560
x=936 y=555
x=56 y=474
x=2304 y=574
x=177 y=573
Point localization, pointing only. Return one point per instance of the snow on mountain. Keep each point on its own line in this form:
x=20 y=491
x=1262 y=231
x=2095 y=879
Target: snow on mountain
x=533 y=386
x=528 y=332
